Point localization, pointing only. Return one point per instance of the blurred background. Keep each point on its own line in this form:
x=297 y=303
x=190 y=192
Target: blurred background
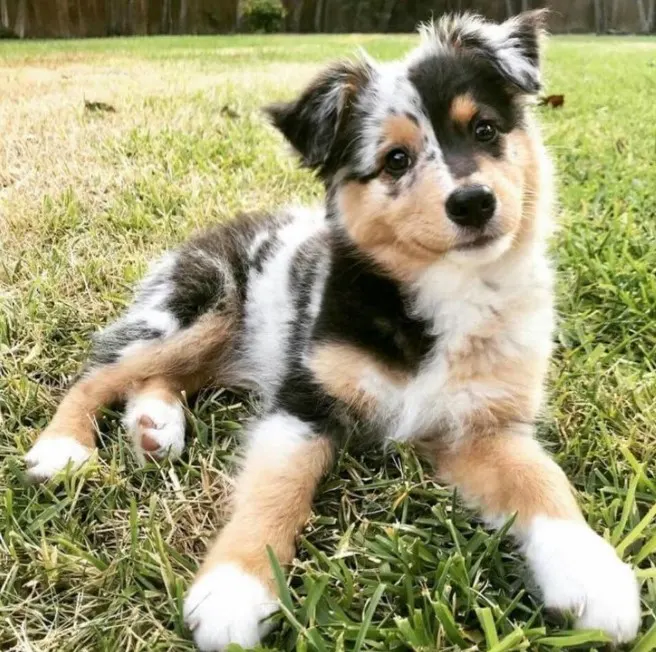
x=93 y=18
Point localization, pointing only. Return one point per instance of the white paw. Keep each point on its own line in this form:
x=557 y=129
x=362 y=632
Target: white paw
x=51 y=454
x=157 y=428
x=580 y=572
x=227 y=606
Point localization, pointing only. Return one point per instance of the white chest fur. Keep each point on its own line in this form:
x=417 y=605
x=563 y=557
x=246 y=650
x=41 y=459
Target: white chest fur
x=493 y=340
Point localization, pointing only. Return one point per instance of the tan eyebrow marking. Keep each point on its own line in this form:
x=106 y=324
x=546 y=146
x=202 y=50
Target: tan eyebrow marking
x=463 y=109
x=399 y=130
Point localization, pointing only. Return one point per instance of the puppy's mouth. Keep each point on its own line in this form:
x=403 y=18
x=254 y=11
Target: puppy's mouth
x=472 y=244
x=477 y=243
x=468 y=240
x=435 y=251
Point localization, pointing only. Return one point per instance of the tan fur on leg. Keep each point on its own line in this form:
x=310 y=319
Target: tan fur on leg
x=506 y=474
x=271 y=503
x=186 y=359
x=575 y=569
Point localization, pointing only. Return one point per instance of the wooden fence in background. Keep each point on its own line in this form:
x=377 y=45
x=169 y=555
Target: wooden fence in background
x=85 y=18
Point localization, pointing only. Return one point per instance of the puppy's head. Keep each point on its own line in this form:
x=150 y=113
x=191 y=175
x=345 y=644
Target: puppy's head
x=433 y=156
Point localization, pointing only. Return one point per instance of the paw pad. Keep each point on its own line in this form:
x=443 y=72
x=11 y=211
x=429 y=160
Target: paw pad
x=157 y=427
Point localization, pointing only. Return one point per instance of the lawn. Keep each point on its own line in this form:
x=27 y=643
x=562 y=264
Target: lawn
x=389 y=561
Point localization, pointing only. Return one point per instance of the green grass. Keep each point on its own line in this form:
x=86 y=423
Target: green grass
x=388 y=562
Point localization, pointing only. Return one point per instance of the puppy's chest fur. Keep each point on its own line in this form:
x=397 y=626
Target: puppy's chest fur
x=416 y=366
x=444 y=355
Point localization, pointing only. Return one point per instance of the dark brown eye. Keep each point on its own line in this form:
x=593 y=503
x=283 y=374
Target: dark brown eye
x=485 y=131
x=397 y=161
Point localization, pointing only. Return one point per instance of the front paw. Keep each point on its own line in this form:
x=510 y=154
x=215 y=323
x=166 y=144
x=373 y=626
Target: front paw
x=227 y=605
x=53 y=453
x=580 y=572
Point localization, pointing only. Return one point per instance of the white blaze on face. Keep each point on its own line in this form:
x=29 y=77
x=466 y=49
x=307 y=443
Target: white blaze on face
x=390 y=94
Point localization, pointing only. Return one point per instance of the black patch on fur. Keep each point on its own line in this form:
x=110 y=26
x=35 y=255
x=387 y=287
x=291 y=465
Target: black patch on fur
x=303 y=397
x=264 y=252
x=110 y=343
x=360 y=306
x=199 y=280
x=363 y=307
x=211 y=271
x=441 y=78
x=413 y=118
x=303 y=274
x=299 y=393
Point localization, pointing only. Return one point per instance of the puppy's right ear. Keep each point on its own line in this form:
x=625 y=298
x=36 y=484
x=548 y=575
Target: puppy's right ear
x=311 y=122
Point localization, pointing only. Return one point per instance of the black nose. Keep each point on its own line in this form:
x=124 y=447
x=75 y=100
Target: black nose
x=471 y=205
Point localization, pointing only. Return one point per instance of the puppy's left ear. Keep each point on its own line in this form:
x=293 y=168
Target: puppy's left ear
x=311 y=123
x=517 y=48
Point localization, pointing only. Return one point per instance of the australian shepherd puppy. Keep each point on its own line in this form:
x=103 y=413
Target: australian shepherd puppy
x=415 y=307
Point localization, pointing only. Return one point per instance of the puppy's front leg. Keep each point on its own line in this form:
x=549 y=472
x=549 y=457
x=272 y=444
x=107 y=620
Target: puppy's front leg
x=509 y=473
x=234 y=590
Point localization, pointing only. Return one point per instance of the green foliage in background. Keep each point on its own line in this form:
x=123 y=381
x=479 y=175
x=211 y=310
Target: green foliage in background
x=263 y=16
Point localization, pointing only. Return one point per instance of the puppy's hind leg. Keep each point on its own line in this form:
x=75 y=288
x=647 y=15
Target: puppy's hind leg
x=70 y=437
x=154 y=415
x=177 y=363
